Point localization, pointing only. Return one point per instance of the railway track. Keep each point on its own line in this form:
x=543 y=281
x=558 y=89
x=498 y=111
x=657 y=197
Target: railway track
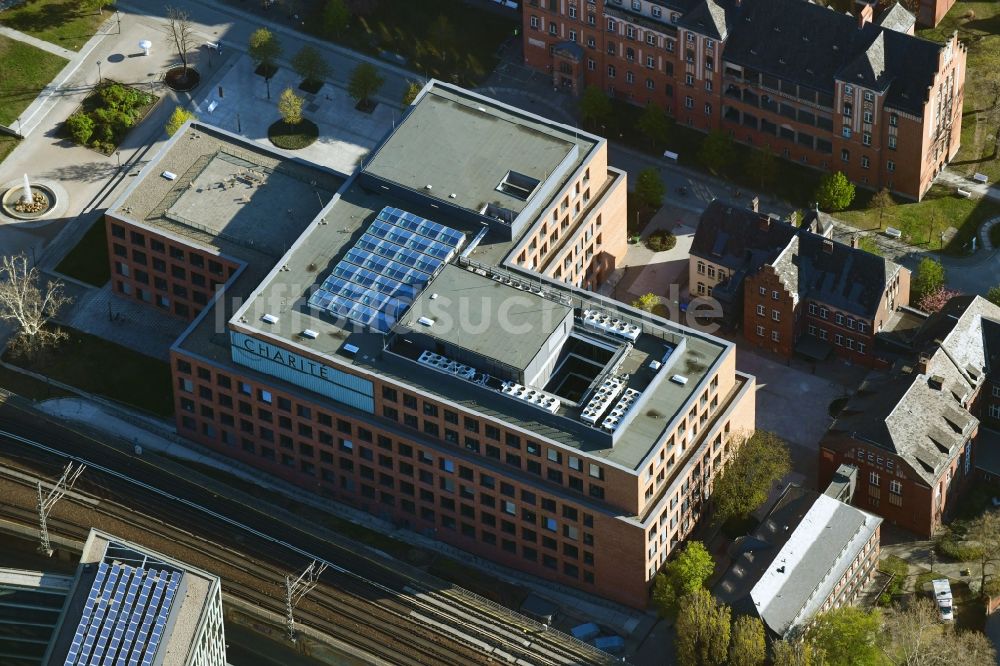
x=455 y=627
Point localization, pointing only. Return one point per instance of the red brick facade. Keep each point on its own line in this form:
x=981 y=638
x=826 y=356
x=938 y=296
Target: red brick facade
x=150 y=267
x=889 y=487
x=634 y=50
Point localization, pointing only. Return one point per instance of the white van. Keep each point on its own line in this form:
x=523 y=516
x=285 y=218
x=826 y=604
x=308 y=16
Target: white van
x=942 y=595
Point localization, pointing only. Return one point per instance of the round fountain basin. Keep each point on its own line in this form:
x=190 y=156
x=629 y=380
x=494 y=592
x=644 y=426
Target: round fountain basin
x=44 y=200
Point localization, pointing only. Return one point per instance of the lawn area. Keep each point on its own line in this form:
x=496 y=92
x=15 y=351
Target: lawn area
x=98 y=366
x=24 y=71
x=981 y=34
x=62 y=22
x=445 y=39
x=922 y=223
x=7 y=145
x=28 y=386
x=88 y=261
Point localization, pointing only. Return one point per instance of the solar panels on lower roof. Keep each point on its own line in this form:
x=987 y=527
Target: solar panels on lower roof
x=125 y=614
x=378 y=278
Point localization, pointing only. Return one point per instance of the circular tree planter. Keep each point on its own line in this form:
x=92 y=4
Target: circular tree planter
x=293 y=137
x=177 y=80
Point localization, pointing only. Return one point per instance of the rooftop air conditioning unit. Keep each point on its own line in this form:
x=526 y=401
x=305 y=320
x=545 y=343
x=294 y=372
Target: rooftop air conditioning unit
x=426 y=321
x=270 y=319
x=679 y=379
x=309 y=333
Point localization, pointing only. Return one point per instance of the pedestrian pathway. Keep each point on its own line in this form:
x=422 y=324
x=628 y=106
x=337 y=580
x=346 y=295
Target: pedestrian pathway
x=19 y=36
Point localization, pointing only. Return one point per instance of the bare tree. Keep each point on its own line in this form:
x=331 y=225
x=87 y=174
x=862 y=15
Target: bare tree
x=29 y=307
x=912 y=635
x=181 y=33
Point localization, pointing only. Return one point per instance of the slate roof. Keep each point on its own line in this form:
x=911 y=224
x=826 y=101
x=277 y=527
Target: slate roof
x=833 y=273
x=790 y=565
x=732 y=236
x=897 y=18
x=849 y=279
x=814 y=46
x=905 y=412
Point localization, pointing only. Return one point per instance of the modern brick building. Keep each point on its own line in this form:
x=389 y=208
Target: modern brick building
x=810 y=554
x=425 y=347
x=824 y=89
x=912 y=431
x=794 y=289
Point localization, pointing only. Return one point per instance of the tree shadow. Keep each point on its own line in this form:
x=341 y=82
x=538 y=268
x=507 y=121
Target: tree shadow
x=48 y=17
x=89 y=172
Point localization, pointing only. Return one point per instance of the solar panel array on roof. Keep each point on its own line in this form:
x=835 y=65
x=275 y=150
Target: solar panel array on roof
x=125 y=615
x=377 y=280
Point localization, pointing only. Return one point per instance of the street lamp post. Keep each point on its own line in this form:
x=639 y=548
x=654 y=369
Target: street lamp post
x=118 y=156
x=267 y=81
x=99 y=77
x=118 y=15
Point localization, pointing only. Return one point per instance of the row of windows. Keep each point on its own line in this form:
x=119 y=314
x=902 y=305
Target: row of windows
x=838 y=339
x=192 y=258
x=849 y=322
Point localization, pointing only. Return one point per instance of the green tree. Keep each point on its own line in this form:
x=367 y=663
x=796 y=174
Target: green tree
x=365 y=82
x=765 y=165
x=881 y=201
x=310 y=65
x=649 y=189
x=682 y=575
x=264 y=49
x=847 y=636
x=81 y=127
x=412 y=90
x=748 y=647
x=985 y=531
x=835 y=192
x=97 y=5
x=716 y=151
x=595 y=107
x=335 y=17
x=793 y=653
x=993 y=295
x=178 y=118
x=928 y=278
x=746 y=480
x=702 y=630
x=290 y=107
x=654 y=125
x=646 y=302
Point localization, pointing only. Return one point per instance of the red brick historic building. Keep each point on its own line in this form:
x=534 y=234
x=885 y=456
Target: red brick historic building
x=793 y=290
x=839 y=93
x=913 y=431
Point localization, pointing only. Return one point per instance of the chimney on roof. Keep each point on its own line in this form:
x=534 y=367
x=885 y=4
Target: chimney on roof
x=828 y=246
x=922 y=362
x=854 y=241
x=865 y=14
x=935 y=382
x=763 y=222
x=755 y=204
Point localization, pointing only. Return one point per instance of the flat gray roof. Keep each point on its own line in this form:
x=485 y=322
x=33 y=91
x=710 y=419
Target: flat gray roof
x=228 y=193
x=486 y=317
x=464 y=145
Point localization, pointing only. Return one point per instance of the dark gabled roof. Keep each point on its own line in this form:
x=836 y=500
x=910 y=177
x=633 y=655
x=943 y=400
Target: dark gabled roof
x=709 y=18
x=838 y=275
x=845 y=278
x=738 y=237
x=813 y=46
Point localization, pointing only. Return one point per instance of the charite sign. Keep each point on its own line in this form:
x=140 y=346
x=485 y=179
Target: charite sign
x=301 y=371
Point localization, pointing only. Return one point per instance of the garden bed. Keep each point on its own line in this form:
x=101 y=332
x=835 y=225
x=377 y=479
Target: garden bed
x=182 y=79
x=310 y=86
x=293 y=137
x=106 y=116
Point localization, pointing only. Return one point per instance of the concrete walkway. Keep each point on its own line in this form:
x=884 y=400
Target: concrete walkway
x=19 y=36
